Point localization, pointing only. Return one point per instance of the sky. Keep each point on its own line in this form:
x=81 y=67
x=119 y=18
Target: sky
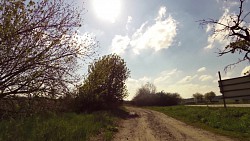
x=163 y=43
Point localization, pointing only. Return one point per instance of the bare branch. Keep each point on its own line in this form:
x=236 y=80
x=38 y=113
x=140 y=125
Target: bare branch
x=39 y=47
x=238 y=34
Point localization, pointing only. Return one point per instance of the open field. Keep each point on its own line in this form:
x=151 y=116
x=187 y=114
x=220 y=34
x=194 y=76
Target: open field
x=232 y=122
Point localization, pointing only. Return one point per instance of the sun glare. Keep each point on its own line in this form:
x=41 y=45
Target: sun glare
x=107 y=9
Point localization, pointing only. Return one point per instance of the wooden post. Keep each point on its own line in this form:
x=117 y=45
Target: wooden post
x=221 y=90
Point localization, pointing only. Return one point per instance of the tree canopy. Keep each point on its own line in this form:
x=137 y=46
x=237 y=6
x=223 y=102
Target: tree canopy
x=105 y=83
x=198 y=97
x=209 y=96
x=39 y=46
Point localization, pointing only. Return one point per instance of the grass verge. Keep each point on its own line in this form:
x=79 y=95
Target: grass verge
x=233 y=122
x=63 y=127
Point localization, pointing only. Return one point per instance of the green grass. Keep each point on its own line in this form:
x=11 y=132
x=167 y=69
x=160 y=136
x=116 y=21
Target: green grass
x=232 y=122
x=59 y=127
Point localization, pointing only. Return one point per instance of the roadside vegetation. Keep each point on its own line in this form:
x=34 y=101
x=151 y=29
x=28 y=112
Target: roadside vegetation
x=40 y=50
x=147 y=96
x=91 y=111
x=104 y=86
x=232 y=122
x=63 y=126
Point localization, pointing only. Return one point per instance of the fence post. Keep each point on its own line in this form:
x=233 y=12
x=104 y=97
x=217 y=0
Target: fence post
x=221 y=90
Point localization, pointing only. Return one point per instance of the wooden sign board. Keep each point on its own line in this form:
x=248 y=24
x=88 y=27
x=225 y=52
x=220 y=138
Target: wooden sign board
x=235 y=87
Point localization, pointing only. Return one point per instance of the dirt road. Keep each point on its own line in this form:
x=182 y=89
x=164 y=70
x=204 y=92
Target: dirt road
x=154 y=126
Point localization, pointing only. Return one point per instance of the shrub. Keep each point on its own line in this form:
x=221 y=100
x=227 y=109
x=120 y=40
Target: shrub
x=104 y=86
x=157 y=99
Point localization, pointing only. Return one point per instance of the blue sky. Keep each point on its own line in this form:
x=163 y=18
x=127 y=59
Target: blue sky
x=162 y=42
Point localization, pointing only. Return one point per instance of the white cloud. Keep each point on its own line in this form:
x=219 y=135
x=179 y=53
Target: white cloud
x=165 y=76
x=139 y=32
x=233 y=3
x=161 y=13
x=157 y=36
x=129 y=20
x=187 y=79
x=97 y=32
x=205 y=77
x=245 y=71
x=201 y=69
x=220 y=37
x=210 y=46
x=209 y=28
x=145 y=79
x=120 y=43
x=161 y=79
x=172 y=72
x=132 y=86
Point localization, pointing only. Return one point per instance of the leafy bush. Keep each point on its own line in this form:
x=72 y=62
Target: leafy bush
x=198 y=97
x=209 y=96
x=157 y=99
x=104 y=86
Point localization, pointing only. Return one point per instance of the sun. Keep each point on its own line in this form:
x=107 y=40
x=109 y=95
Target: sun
x=107 y=9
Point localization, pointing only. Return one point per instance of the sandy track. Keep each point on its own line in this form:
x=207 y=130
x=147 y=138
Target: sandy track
x=154 y=126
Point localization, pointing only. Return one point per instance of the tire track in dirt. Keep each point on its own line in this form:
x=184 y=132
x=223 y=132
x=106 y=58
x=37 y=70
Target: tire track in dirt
x=155 y=126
